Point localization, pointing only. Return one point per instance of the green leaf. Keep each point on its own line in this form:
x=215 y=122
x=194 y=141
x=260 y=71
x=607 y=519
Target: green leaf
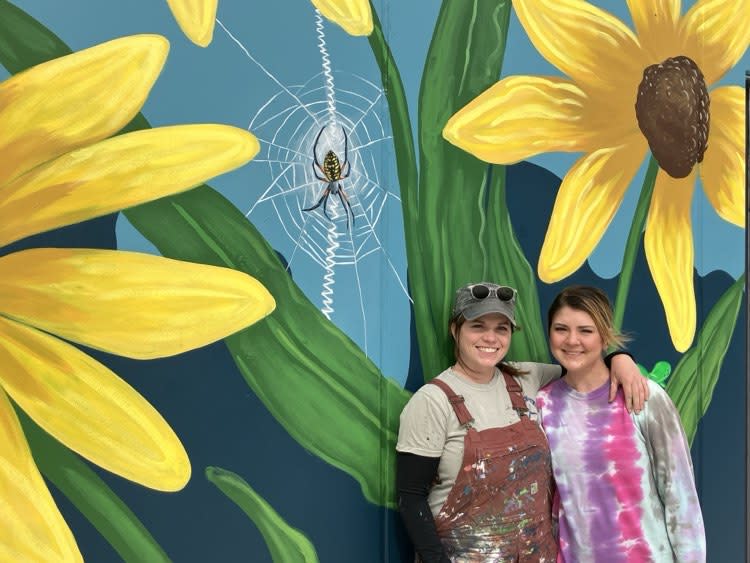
x=317 y=383
x=406 y=166
x=464 y=59
x=89 y=494
x=286 y=544
x=24 y=42
x=691 y=386
x=508 y=264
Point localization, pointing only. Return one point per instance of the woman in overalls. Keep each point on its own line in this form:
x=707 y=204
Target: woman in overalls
x=474 y=473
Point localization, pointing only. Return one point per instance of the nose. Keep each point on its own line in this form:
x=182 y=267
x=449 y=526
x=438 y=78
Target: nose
x=489 y=336
x=571 y=337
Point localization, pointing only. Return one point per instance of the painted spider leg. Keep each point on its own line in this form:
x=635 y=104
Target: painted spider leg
x=346 y=150
x=347 y=208
x=315 y=151
x=349 y=170
x=325 y=205
x=323 y=199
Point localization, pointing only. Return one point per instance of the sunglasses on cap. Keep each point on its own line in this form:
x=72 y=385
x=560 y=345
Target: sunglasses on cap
x=480 y=291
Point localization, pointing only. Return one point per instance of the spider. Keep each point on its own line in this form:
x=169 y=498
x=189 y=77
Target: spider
x=333 y=172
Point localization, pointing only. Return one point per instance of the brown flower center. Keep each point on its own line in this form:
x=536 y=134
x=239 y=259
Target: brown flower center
x=672 y=112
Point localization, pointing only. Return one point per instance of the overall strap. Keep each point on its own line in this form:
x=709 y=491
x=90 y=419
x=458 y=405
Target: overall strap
x=516 y=395
x=457 y=402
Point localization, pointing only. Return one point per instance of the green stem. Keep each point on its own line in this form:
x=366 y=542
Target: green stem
x=464 y=59
x=406 y=168
x=634 y=241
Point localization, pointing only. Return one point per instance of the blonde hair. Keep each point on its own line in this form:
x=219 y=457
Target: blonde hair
x=594 y=302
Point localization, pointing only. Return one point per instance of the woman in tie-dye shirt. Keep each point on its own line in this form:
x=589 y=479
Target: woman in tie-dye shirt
x=625 y=486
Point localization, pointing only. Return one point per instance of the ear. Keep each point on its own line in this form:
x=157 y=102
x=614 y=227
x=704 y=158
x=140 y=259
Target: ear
x=453 y=331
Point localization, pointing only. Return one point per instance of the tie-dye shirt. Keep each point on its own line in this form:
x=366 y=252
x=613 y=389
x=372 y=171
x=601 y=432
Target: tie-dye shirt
x=625 y=481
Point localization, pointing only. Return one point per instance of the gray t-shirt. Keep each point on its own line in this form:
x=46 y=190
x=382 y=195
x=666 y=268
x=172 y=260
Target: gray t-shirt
x=429 y=426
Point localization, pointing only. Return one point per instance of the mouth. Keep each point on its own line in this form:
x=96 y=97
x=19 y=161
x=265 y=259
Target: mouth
x=572 y=353
x=487 y=350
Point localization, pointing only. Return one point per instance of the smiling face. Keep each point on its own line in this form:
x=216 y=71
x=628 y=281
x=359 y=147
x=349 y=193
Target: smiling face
x=481 y=344
x=575 y=341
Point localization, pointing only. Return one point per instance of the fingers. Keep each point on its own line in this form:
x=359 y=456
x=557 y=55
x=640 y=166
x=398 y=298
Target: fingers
x=630 y=391
x=612 y=389
x=640 y=394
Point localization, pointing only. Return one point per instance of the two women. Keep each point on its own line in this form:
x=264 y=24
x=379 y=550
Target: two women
x=474 y=473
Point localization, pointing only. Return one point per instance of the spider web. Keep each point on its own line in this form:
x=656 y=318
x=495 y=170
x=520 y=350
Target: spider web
x=286 y=128
x=341 y=111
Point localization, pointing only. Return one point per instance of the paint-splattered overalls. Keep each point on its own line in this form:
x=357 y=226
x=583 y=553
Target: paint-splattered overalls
x=499 y=507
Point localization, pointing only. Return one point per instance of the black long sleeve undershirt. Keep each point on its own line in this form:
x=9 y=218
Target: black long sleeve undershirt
x=414 y=475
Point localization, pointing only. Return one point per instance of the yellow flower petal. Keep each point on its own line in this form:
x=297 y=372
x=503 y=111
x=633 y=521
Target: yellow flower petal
x=196 y=18
x=588 y=44
x=354 y=16
x=668 y=243
x=31 y=527
x=716 y=35
x=119 y=173
x=723 y=168
x=89 y=409
x=130 y=304
x=656 y=22
x=72 y=101
x=588 y=199
x=519 y=117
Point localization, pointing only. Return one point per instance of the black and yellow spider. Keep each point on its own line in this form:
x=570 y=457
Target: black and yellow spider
x=333 y=171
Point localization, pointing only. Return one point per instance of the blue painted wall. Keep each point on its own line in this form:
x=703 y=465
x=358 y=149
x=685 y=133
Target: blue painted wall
x=246 y=81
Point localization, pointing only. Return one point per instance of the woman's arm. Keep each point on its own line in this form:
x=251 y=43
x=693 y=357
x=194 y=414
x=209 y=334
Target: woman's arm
x=625 y=373
x=673 y=472
x=414 y=475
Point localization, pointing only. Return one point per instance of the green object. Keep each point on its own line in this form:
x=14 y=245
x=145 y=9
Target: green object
x=659 y=373
x=406 y=168
x=633 y=243
x=691 y=386
x=286 y=544
x=457 y=227
x=509 y=262
x=317 y=383
x=91 y=496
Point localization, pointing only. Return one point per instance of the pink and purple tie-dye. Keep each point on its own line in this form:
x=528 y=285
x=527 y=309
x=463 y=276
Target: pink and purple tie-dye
x=625 y=483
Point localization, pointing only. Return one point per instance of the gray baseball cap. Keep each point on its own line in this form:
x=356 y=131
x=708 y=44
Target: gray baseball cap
x=477 y=299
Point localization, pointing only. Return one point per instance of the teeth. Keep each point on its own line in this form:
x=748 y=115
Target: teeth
x=487 y=349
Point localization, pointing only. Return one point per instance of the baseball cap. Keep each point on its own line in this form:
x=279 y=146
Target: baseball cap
x=477 y=299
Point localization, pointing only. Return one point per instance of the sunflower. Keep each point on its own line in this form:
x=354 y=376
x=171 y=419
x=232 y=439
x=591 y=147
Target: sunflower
x=59 y=167
x=196 y=18
x=627 y=92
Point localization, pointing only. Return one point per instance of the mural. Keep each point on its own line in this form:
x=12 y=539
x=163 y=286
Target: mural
x=377 y=155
